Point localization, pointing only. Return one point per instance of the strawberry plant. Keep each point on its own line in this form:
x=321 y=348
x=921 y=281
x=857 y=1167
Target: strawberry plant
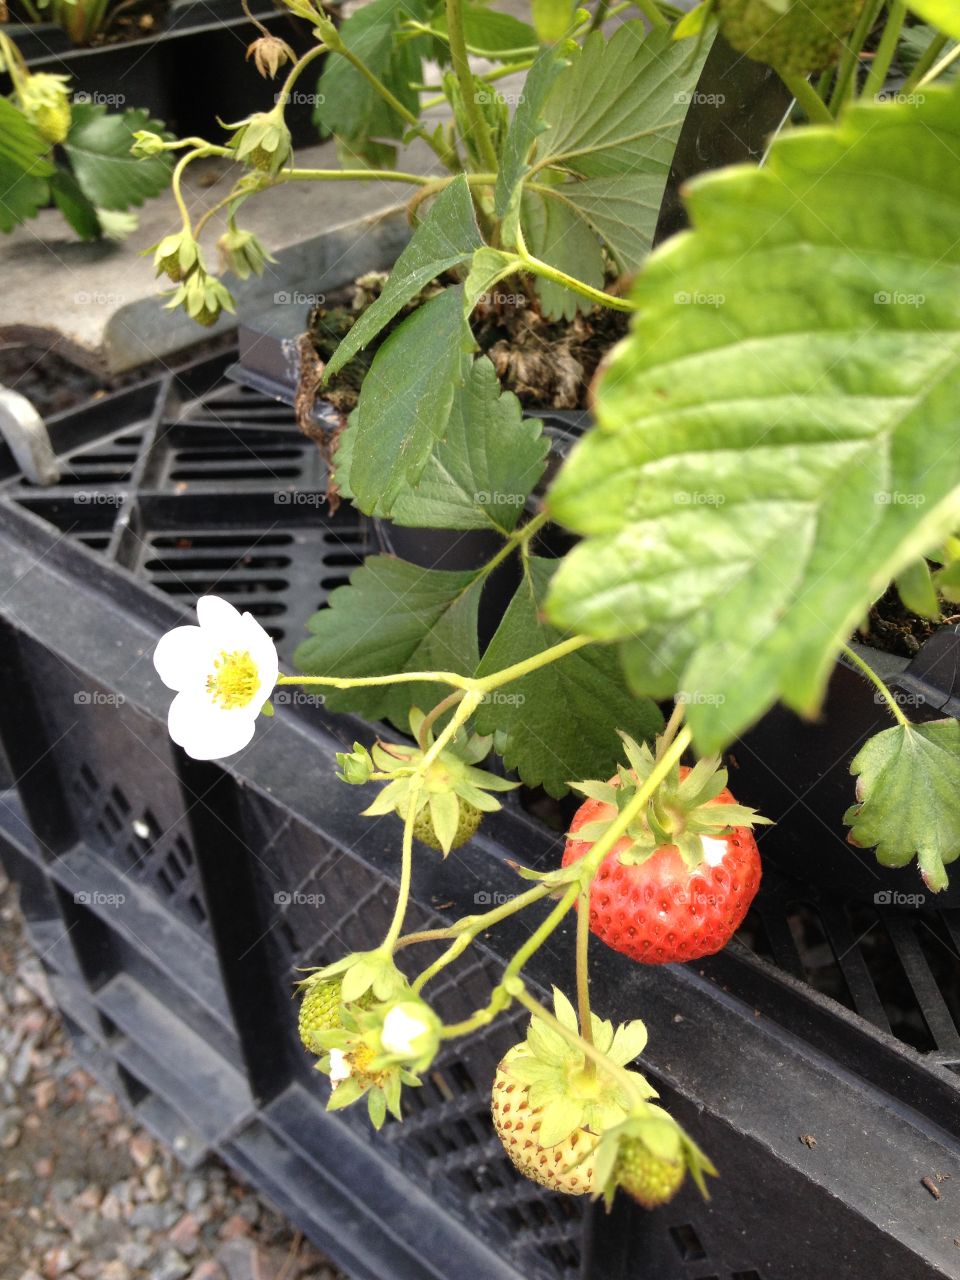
x=73 y=153
x=776 y=443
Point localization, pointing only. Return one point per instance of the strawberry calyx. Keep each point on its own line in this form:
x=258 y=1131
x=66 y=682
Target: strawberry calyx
x=450 y=794
x=649 y=1155
x=689 y=809
x=561 y=1080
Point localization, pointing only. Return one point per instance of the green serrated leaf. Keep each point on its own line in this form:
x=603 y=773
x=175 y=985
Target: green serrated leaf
x=556 y=234
x=773 y=451
x=485 y=467
x=908 y=793
x=447 y=237
x=348 y=105
x=393 y=617
x=24 y=167
x=489 y=34
x=487 y=268
x=618 y=154
x=559 y=722
x=525 y=126
x=98 y=147
x=405 y=402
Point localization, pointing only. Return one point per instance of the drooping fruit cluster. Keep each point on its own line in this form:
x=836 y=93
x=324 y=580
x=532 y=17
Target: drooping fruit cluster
x=451 y=796
x=679 y=883
x=795 y=36
x=551 y=1104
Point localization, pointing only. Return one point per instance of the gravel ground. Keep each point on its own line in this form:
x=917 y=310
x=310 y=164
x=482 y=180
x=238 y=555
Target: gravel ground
x=86 y=1193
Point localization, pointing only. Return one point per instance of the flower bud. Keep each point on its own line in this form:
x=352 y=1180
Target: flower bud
x=242 y=253
x=411 y=1030
x=46 y=103
x=146 y=144
x=176 y=256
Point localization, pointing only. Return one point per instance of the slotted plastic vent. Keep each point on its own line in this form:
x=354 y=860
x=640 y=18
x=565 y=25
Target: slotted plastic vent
x=137 y=846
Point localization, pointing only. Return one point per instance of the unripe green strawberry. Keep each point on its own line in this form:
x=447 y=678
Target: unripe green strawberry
x=319 y=1011
x=467 y=824
x=803 y=37
x=650 y=1179
x=45 y=101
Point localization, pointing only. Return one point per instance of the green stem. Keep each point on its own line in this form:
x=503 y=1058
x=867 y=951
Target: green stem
x=293 y=75
x=451 y=700
x=628 y=1079
x=672 y=727
x=651 y=12
x=406 y=872
x=543 y=659
x=175 y=182
x=528 y=262
x=352 y=175
x=814 y=108
x=477 y=924
x=599 y=16
x=930 y=55
x=880 y=66
x=461 y=66
x=587 y=867
x=892 y=706
x=456 y=722
x=851 y=54
x=583 y=968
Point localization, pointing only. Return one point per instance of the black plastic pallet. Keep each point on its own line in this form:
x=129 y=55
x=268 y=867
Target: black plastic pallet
x=815 y=1023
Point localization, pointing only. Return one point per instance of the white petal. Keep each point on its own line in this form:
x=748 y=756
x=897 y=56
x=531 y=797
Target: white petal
x=217 y=614
x=713 y=850
x=179 y=655
x=207 y=732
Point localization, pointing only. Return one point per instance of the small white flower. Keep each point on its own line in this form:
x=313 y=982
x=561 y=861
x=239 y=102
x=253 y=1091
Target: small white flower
x=223 y=671
x=404 y=1031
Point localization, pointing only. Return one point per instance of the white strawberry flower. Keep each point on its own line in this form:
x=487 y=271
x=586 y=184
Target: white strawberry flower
x=410 y=1030
x=223 y=671
x=339 y=1067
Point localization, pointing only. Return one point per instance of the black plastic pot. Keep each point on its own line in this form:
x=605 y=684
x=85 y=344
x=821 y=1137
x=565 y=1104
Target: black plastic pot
x=817 y=1059
x=188 y=75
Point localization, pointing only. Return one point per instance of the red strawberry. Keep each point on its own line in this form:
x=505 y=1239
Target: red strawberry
x=678 y=884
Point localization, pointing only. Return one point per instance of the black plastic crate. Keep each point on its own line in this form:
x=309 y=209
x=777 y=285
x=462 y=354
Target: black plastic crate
x=817 y=1023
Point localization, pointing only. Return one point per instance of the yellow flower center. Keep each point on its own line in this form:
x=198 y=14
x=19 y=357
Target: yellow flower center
x=234 y=680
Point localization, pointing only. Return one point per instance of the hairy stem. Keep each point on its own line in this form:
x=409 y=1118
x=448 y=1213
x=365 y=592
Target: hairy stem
x=891 y=703
x=461 y=67
x=451 y=700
